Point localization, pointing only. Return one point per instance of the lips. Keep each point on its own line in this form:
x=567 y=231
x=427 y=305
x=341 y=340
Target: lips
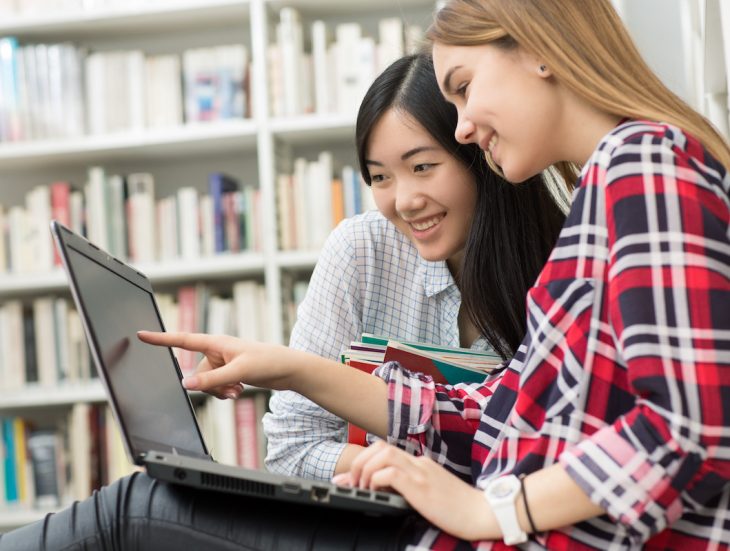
x=487 y=145
x=426 y=223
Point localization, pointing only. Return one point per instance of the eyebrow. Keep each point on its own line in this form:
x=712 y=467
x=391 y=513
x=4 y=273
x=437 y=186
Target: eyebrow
x=407 y=155
x=446 y=82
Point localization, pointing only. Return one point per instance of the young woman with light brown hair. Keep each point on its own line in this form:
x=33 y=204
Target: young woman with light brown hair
x=610 y=428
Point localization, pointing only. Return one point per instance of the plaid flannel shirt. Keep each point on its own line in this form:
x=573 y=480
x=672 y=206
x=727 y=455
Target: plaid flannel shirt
x=624 y=374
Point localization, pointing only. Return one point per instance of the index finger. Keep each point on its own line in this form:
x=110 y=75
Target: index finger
x=197 y=342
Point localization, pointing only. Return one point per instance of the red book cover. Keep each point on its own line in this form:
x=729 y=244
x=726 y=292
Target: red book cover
x=60 y=209
x=356 y=435
x=414 y=362
x=246 y=436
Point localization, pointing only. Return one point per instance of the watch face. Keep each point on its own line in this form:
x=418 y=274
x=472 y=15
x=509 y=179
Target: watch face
x=505 y=486
x=503 y=489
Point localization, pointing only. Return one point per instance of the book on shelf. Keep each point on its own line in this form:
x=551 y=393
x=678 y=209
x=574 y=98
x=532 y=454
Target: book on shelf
x=61 y=90
x=293 y=290
x=230 y=214
x=215 y=83
x=334 y=76
x=312 y=200
x=445 y=365
x=42 y=343
x=120 y=214
x=59 y=461
x=232 y=429
x=45 y=449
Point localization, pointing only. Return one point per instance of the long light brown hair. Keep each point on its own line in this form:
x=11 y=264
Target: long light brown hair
x=587 y=48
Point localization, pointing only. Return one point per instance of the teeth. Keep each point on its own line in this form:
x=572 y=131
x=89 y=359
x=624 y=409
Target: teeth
x=421 y=226
x=492 y=143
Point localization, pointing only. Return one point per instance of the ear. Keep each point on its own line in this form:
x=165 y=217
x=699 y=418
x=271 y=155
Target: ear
x=543 y=70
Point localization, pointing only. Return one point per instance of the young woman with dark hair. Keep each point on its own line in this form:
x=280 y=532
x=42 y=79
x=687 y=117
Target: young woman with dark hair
x=447 y=258
x=460 y=282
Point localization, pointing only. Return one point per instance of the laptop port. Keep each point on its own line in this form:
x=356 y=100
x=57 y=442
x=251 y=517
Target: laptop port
x=291 y=488
x=180 y=474
x=362 y=493
x=320 y=494
x=381 y=497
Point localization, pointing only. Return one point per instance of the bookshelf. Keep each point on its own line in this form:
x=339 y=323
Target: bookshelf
x=254 y=149
x=227 y=137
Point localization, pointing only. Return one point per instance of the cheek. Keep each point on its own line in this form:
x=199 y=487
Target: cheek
x=384 y=202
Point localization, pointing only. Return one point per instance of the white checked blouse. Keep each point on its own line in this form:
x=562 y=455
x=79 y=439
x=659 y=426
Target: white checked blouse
x=369 y=278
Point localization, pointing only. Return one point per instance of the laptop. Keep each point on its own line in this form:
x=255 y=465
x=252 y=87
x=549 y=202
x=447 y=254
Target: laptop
x=152 y=409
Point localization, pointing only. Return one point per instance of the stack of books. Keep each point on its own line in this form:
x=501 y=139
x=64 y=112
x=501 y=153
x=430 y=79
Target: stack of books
x=446 y=365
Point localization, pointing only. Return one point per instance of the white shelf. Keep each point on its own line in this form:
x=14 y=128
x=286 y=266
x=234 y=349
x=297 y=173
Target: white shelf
x=214 y=267
x=305 y=129
x=347 y=7
x=294 y=260
x=219 y=137
x=66 y=394
x=16 y=517
x=127 y=20
x=63 y=394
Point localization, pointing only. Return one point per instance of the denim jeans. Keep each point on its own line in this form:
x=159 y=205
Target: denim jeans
x=137 y=513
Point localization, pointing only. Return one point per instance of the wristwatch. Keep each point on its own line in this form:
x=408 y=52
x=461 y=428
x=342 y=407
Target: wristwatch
x=502 y=494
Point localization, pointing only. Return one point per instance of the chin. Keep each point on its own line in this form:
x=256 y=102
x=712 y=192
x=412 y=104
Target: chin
x=431 y=256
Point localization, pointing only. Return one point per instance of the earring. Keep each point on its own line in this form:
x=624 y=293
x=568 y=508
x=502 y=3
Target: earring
x=543 y=68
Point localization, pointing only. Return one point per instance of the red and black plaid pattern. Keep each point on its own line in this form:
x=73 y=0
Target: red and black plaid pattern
x=624 y=375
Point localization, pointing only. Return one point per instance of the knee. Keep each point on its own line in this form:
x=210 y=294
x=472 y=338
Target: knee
x=127 y=497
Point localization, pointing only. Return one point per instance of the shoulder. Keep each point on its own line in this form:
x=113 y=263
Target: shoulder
x=368 y=235
x=632 y=140
x=645 y=149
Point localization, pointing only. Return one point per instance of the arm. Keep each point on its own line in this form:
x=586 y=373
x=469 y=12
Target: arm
x=668 y=296
x=437 y=421
x=457 y=507
x=348 y=393
x=303 y=438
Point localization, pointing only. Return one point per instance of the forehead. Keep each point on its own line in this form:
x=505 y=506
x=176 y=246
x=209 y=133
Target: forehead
x=448 y=58
x=397 y=129
x=442 y=55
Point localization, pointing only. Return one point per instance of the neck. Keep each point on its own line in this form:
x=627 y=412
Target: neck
x=584 y=127
x=454 y=264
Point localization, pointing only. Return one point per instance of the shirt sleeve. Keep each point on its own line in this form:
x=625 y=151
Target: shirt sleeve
x=668 y=296
x=303 y=438
x=436 y=420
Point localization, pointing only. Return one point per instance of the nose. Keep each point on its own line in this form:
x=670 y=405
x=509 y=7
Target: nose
x=465 y=130
x=409 y=196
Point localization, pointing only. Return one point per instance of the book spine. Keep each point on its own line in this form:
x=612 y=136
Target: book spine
x=11 y=475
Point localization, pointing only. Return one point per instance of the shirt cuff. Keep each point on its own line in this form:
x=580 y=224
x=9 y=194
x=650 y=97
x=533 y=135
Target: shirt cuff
x=622 y=479
x=320 y=462
x=410 y=406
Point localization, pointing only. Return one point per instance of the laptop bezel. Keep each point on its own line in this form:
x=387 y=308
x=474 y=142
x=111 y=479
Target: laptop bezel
x=66 y=238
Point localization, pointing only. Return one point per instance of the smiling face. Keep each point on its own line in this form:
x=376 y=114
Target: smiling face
x=506 y=105
x=423 y=190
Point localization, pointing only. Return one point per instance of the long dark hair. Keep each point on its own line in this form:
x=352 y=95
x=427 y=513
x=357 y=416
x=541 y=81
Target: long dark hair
x=514 y=226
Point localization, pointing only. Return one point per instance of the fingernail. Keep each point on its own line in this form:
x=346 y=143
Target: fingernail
x=190 y=382
x=231 y=395
x=340 y=480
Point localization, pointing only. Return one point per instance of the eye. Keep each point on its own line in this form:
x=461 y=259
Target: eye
x=422 y=167
x=462 y=89
x=376 y=178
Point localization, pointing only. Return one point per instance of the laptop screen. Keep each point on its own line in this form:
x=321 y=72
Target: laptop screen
x=142 y=379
